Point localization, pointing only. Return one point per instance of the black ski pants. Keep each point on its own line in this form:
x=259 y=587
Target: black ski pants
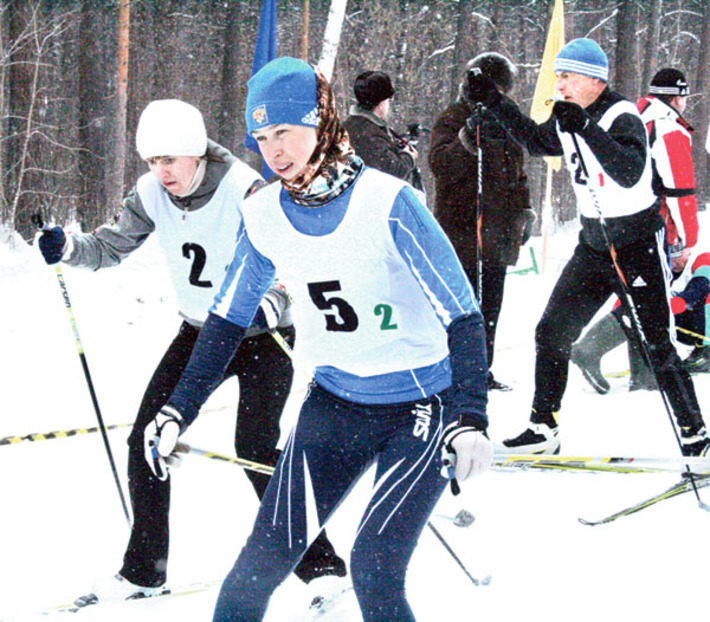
x=265 y=373
x=586 y=283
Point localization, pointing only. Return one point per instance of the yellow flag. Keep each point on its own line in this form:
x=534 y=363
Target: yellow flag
x=545 y=88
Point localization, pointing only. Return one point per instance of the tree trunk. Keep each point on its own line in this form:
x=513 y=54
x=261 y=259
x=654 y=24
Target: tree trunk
x=331 y=38
x=462 y=45
x=4 y=213
x=653 y=34
x=305 y=25
x=231 y=89
x=702 y=85
x=19 y=80
x=92 y=121
x=115 y=169
x=625 y=81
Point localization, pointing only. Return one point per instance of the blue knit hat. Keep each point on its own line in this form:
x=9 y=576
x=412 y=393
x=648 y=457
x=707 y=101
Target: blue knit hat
x=282 y=91
x=583 y=56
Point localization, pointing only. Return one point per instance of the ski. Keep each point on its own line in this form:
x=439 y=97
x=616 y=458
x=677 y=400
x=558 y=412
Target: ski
x=598 y=464
x=90 y=600
x=601 y=464
x=683 y=486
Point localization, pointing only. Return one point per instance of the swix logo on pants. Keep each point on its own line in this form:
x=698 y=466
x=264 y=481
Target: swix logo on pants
x=422 y=423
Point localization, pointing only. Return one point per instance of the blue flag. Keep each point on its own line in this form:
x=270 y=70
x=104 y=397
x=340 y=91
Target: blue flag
x=264 y=52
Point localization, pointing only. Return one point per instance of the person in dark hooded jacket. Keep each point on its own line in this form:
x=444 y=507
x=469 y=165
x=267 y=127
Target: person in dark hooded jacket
x=504 y=200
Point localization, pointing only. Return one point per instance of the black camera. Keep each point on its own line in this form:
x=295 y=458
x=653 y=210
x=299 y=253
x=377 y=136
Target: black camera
x=414 y=132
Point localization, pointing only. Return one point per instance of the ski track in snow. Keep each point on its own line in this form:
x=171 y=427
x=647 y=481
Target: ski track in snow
x=62 y=526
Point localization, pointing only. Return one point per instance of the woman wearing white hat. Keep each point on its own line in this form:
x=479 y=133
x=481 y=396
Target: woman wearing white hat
x=191 y=200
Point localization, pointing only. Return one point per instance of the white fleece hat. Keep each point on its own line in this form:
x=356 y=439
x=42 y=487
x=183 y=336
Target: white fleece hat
x=170 y=127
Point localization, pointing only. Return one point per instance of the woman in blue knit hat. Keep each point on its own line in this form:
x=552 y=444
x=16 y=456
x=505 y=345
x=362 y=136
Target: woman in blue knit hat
x=603 y=140
x=387 y=321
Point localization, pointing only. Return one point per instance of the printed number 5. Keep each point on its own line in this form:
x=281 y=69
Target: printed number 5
x=339 y=316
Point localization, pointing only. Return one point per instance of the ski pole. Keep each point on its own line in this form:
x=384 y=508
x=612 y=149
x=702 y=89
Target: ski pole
x=456 y=558
x=250 y=465
x=37 y=220
x=630 y=307
x=479 y=208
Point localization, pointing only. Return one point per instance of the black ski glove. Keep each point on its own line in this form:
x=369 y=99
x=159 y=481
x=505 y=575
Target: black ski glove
x=51 y=244
x=481 y=89
x=571 y=117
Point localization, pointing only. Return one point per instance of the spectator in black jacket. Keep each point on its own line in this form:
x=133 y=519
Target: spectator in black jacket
x=371 y=137
x=506 y=217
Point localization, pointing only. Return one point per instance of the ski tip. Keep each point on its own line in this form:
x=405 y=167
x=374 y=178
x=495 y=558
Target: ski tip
x=588 y=523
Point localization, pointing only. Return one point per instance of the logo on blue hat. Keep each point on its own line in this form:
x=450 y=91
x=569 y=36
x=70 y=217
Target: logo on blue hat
x=259 y=116
x=311 y=118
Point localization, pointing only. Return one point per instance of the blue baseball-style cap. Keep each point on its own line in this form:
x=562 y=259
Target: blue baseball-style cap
x=282 y=91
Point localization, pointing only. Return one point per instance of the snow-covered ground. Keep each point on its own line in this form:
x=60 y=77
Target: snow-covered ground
x=62 y=526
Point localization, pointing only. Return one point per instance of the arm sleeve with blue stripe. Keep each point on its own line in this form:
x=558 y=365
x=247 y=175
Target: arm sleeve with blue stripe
x=425 y=248
x=423 y=244
x=248 y=278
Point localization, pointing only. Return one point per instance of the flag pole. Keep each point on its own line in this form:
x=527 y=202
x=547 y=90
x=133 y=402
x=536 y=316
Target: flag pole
x=546 y=214
x=541 y=109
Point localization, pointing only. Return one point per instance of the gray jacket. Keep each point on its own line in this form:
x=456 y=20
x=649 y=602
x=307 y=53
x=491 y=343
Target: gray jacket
x=111 y=243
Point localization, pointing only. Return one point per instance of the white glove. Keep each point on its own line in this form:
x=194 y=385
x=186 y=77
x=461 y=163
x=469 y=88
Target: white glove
x=465 y=452
x=160 y=442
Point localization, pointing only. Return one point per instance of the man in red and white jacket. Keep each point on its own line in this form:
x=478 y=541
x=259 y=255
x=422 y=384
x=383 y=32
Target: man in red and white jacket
x=669 y=137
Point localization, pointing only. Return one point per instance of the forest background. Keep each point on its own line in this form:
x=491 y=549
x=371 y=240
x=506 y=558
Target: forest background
x=73 y=83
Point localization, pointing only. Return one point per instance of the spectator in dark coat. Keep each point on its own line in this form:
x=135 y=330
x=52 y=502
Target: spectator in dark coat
x=505 y=201
x=371 y=137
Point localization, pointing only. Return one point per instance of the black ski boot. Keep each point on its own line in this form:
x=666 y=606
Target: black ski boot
x=320 y=560
x=496 y=385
